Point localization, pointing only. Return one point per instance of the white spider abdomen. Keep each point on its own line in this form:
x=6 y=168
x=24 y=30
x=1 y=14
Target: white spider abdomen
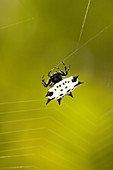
x=62 y=88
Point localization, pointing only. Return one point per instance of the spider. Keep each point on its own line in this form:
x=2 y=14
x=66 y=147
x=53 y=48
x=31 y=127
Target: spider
x=56 y=77
x=59 y=85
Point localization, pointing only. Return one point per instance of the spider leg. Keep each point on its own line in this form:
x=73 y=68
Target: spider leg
x=58 y=69
x=63 y=74
x=44 y=83
x=66 y=70
x=49 y=73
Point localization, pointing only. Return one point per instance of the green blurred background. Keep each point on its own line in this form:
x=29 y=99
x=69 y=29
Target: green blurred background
x=35 y=36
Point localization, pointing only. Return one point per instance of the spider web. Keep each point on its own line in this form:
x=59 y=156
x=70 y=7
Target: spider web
x=30 y=132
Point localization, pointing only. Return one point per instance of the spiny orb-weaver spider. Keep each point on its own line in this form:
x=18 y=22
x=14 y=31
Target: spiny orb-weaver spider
x=59 y=85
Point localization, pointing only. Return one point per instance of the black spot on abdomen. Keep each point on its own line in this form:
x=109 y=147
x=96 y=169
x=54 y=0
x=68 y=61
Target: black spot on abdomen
x=61 y=94
x=68 y=90
x=49 y=94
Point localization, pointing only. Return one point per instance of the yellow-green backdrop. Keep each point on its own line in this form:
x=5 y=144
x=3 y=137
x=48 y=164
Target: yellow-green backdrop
x=35 y=36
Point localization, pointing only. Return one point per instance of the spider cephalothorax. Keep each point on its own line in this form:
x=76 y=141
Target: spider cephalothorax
x=56 y=77
x=59 y=85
